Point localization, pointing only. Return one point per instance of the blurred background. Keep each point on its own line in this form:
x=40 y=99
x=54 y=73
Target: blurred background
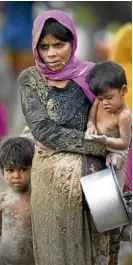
x=104 y=32
x=96 y=24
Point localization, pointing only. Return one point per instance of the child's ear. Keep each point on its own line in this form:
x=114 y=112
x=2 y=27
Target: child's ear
x=124 y=90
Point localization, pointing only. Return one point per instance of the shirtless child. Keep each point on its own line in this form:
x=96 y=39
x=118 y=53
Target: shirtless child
x=110 y=118
x=16 y=156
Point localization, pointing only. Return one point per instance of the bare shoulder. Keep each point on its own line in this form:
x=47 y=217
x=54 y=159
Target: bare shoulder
x=125 y=115
x=2 y=198
x=7 y=198
x=2 y=195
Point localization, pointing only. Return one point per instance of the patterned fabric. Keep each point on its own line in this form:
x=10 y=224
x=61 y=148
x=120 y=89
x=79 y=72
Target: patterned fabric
x=60 y=215
x=63 y=229
x=114 y=246
x=69 y=136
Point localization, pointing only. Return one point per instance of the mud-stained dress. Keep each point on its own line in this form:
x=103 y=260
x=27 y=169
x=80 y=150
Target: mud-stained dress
x=63 y=230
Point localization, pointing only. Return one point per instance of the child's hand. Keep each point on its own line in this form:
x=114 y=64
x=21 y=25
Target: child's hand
x=91 y=130
x=100 y=138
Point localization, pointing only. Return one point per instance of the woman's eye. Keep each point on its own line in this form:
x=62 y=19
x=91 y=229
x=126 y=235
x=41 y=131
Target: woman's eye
x=43 y=46
x=58 y=45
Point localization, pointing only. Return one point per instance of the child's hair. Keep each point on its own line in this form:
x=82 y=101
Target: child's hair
x=17 y=151
x=106 y=75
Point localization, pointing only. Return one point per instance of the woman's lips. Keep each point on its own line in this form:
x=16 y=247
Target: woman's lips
x=53 y=63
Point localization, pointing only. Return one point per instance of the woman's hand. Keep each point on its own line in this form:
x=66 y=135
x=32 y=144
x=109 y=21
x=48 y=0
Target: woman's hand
x=118 y=160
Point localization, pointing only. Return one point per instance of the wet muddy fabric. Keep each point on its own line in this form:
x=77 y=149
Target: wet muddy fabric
x=63 y=229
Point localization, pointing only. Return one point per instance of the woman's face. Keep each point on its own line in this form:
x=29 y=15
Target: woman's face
x=54 y=52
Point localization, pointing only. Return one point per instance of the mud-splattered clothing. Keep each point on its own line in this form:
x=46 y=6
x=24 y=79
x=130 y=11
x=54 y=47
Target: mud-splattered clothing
x=16 y=238
x=63 y=230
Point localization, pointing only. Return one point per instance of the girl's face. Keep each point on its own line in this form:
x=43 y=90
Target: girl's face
x=54 y=52
x=18 y=177
x=112 y=99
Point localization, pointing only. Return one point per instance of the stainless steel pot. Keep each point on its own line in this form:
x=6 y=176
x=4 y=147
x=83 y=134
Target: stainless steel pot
x=104 y=198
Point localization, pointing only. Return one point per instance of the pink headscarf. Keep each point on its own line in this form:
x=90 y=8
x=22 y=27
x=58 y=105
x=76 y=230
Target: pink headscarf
x=3 y=120
x=74 y=69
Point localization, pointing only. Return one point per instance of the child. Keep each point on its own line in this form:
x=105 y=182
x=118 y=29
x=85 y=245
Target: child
x=16 y=156
x=110 y=118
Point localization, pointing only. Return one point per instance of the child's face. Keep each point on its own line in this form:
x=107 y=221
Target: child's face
x=17 y=177
x=112 y=99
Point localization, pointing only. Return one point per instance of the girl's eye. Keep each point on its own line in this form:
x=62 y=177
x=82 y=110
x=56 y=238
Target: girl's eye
x=10 y=170
x=23 y=169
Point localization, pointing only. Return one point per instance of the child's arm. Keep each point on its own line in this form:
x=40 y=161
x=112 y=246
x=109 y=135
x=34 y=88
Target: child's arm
x=2 y=198
x=1 y=202
x=123 y=142
x=91 y=125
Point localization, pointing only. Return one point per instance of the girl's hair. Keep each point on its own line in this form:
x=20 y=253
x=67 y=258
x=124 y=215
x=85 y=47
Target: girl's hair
x=17 y=151
x=53 y=27
x=106 y=75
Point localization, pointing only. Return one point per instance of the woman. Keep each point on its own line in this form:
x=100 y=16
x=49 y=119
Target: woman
x=56 y=102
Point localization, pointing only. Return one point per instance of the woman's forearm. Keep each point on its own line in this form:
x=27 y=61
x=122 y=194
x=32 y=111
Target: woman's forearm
x=48 y=132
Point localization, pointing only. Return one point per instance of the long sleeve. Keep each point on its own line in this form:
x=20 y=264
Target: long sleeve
x=47 y=131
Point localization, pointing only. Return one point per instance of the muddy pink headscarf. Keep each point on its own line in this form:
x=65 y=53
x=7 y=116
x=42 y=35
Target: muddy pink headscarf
x=74 y=69
x=3 y=120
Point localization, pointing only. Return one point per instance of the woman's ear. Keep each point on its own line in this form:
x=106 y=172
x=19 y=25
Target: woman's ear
x=124 y=90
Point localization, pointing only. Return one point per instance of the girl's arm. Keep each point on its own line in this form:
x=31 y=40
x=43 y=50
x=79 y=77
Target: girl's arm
x=2 y=195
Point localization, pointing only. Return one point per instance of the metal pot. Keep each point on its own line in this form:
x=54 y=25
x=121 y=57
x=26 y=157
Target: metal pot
x=104 y=198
